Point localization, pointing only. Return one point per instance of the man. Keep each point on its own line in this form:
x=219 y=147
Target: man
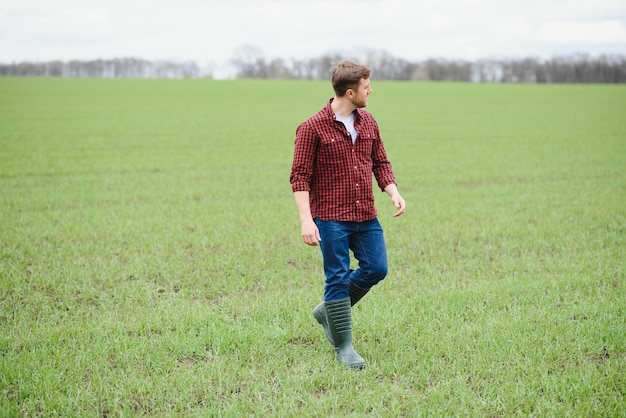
x=336 y=152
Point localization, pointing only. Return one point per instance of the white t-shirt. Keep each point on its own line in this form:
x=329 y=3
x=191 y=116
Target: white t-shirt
x=349 y=124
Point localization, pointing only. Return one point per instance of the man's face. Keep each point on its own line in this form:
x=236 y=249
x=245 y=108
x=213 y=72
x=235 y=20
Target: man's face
x=359 y=95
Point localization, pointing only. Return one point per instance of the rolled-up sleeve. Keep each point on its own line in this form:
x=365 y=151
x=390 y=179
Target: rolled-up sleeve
x=303 y=159
x=383 y=172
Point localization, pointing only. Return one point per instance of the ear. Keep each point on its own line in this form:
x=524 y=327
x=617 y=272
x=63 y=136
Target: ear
x=350 y=93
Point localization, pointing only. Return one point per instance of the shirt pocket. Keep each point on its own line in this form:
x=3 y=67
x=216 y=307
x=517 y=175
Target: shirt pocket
x=368 y=134
x=332 y=150
x=365 y=143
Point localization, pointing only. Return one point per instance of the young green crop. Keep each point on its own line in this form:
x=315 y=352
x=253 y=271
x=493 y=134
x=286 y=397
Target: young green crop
x=151 y=262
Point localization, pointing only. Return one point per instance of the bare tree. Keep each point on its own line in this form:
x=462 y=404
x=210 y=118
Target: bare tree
x=249 y=62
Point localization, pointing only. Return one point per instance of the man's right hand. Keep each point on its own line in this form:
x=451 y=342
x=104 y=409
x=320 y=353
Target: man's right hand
x=310 y=233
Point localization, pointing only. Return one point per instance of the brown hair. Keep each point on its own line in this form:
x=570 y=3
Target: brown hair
x=347 y=75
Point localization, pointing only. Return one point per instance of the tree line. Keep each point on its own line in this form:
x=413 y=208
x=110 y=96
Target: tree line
x=579 y=68
x=112 y=68
x=249 y=62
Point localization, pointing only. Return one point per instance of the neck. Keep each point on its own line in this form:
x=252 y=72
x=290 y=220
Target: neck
x=342 y=107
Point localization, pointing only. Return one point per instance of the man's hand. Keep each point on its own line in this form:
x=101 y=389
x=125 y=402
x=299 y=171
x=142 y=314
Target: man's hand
x=399 y=203
x=396 y=199
x=310 y=233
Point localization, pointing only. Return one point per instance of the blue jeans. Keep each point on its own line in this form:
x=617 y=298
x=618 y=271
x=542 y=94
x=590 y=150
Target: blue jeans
x=367 y=243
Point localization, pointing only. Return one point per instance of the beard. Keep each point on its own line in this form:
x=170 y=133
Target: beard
x=360 y=103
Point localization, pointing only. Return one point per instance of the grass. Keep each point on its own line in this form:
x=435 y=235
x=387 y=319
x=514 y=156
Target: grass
x=151 y=262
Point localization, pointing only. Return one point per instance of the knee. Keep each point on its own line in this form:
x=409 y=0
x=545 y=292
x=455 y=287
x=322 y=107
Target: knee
x=377 y=272
x=382 y=271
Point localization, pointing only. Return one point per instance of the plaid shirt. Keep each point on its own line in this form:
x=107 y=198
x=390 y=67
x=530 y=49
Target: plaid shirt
x=336 y=173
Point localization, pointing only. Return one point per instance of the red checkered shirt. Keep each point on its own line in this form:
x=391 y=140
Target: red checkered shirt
x=336 y=173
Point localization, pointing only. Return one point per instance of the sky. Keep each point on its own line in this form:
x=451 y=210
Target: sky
x=210 y=32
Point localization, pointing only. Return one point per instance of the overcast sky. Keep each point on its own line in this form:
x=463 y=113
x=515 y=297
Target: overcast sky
x=209 y=31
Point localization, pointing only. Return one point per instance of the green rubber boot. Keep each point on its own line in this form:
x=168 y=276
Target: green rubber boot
x=355 y=292
x=339 y=314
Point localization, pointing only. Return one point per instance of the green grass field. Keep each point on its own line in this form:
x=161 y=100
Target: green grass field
x=151 y=260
